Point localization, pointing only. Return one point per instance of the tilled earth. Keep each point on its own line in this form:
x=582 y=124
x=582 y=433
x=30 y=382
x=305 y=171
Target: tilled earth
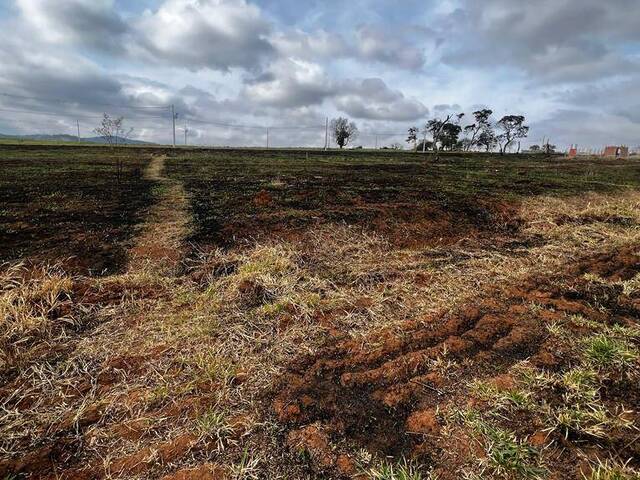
x=382 y=393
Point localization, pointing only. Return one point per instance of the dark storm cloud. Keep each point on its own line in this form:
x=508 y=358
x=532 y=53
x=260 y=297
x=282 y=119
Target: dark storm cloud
x=294 y=84
x=400 y=48
x=389 y=47
x=289 y=83
x=60 y=78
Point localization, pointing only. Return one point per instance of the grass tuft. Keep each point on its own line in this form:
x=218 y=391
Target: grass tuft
x=507 y=456
x=604 y=350
x=213 y=425
x=401 y=470
x=612 y=471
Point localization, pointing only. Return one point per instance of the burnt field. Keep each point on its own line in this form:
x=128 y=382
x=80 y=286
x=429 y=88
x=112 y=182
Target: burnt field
x=241 y=314
x=79 y=205
x=248 y=194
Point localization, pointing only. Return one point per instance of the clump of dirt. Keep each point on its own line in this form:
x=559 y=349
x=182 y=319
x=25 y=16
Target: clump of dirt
x=163 y=453
x=623 y=264
x=208 y=471
x=312 y=441
x=262 y=199
x=253 y=293
x=382 y=393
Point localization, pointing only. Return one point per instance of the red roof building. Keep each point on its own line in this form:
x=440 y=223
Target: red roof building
x=617 y=152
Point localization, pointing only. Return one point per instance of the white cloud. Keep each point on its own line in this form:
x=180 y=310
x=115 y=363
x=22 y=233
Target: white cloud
x=374 y=43
x=290 y=83
x=197 y=34
x=372 y=99
x=90 y=23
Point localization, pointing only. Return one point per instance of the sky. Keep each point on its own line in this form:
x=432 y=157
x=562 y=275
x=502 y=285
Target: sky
x=232 y=68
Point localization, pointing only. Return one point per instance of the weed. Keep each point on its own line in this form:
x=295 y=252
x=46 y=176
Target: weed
x=612 y=471
x=533 y=378
x=212 y=368
x=246 y=468
x=507 y=455
x=559 y=329
x=590 y=418
x=603 y=350
x=501 y=398
x=402 y=470
x=213 y=425
x=510 y=457
x=581 y=384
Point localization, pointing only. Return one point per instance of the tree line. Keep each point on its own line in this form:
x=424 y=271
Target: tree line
x=483 y=134
x=448 y=134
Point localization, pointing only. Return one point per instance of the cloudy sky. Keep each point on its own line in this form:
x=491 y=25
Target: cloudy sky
x=571 y=66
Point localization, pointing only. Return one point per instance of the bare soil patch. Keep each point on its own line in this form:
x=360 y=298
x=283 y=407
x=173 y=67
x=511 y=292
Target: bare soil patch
x=382 y=393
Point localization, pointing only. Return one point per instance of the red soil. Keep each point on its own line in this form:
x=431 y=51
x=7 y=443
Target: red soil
x=383 y=398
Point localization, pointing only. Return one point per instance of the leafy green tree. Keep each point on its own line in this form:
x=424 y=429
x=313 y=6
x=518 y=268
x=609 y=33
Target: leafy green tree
x=474 y=130
x=413 y=137
x=343 y=131
x=513 y=128
x=487 y=139
x=449 y=136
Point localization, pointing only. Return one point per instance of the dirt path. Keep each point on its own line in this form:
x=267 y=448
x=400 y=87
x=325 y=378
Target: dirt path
x=159 y=246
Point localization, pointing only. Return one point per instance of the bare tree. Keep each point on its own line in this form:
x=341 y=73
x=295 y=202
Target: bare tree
x=475 y=129
x=111 y=129
x=343 y=131
x=127 y=135
x=513 y=128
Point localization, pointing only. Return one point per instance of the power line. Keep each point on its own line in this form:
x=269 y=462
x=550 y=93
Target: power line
x=365 y=134
x=60 y=114
x=310 y=127
x=220 y=124
x=58 y=100
x=254 y=127
x=38 y=112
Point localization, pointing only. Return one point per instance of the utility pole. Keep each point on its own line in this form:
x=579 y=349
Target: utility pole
x=267 y=138
x=173 y=119
x=424 y=140
x=326 y=134
x=78 y=124
x=376 y=141
x=185 y=132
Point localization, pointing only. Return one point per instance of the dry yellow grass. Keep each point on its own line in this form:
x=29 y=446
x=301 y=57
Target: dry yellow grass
x=172 y=355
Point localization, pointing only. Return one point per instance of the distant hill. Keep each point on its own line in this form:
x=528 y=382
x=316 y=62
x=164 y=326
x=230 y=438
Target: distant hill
x=70 y=138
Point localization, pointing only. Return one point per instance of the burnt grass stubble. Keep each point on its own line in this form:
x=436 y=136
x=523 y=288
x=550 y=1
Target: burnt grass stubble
x=71 y=205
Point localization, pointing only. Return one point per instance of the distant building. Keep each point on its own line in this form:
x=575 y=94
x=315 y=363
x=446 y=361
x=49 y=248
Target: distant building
x=573 y=151
x=617 y=152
